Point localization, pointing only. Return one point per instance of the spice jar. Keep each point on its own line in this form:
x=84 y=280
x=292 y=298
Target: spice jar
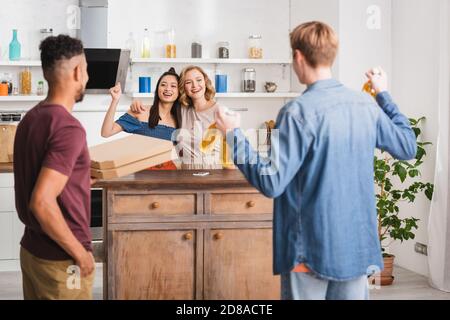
x=25 y=81
x=249 y=80
x=7 y=79
x=224 y=49
x=255 y=47
x=196 y=49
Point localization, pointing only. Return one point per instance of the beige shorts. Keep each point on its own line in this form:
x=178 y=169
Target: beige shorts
x=53 y=280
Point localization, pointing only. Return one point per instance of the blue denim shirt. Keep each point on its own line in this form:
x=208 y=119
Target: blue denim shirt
x=321 y=173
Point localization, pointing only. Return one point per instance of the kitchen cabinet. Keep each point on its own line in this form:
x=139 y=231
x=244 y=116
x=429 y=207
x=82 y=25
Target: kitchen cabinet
x=11 y=228
x=172 y=235
x=238 y=263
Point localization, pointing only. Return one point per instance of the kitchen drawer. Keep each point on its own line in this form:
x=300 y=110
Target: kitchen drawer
x=155 y=204
x=240 y=203
x=6 y=180
x=7 y=202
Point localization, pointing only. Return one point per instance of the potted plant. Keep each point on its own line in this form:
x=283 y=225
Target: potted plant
x=390 y=224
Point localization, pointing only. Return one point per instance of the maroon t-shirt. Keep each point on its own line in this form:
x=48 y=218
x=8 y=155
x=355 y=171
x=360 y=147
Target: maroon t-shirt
x=49 y=136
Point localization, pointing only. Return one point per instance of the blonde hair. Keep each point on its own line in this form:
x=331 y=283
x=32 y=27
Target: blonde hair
x=210 y=92
x=317 y=41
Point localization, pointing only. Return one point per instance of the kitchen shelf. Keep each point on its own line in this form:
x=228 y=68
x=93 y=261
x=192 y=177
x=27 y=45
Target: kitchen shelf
x=210 y=61
x=20 y=63
x=21 y=98
x=231 y=95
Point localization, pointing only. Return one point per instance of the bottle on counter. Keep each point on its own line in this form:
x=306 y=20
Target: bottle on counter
x=171 y=48
x=145 y=48
x=14 y=48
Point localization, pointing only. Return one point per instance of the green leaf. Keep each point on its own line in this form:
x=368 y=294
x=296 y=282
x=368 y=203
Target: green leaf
x=429 y=191
x=401 y=171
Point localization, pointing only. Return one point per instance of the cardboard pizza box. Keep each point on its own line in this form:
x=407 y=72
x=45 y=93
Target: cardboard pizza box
x=131 y=167
x=124 y=151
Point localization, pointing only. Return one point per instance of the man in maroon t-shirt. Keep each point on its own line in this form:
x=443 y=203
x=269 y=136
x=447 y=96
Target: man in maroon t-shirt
x=52 y=181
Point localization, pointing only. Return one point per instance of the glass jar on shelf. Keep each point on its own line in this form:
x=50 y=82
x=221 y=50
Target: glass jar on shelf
x=249 y=80
x=6 y=78
x=224 y=49
x=40 y=88
x=255 y=47
x=196 y=49
x=25 y=81
x=171 y=48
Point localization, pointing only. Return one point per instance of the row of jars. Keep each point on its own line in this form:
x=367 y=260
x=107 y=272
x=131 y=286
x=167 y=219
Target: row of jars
x=255 y=50
x=25 y=87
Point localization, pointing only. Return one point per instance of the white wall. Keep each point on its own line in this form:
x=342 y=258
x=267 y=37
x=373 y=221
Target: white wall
x=415 y=76
x=320 y=10
x=361 y=47
x=29 y=16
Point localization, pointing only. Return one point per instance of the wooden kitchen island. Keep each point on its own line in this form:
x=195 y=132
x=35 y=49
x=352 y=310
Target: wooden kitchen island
x=172 y=235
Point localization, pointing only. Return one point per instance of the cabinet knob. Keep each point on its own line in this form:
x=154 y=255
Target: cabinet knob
x=251 y=204
x=218 y=236
x=187 y=236
x=155 y=205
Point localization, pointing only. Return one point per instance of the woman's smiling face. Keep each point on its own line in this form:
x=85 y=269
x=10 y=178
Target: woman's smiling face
x=168 y=89
x=194 y=84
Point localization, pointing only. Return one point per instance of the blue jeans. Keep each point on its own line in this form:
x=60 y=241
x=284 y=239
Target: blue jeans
x=306 y=286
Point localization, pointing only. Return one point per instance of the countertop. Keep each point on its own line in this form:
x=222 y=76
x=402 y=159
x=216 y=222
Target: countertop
x=6 y=168
x=177 y=179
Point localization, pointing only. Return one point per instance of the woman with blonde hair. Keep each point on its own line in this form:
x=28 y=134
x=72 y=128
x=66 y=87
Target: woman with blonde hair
x=197 y=113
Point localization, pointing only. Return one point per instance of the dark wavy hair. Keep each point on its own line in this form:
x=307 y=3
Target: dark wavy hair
x=154 y=117
x=61 y=47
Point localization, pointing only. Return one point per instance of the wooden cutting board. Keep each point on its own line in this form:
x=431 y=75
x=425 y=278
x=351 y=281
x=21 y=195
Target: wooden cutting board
x=128 y=150
x=7 y=134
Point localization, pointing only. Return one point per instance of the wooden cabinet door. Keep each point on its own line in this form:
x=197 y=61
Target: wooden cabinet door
x=238 y=264
x=153 y=264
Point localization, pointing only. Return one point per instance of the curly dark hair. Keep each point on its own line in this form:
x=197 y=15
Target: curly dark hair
x=58 y=48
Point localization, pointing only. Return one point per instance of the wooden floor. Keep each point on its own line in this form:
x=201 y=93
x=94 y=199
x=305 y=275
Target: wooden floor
x=407 y=286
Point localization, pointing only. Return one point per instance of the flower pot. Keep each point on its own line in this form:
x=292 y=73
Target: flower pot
x=385 y=277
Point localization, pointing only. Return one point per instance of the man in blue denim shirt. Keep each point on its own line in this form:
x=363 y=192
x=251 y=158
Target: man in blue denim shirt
x=321 y=173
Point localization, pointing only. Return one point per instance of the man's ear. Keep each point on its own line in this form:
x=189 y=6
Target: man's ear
x=77 y=74
x=298 y=56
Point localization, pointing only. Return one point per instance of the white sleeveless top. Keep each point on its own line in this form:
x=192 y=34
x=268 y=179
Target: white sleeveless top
x=193 y=127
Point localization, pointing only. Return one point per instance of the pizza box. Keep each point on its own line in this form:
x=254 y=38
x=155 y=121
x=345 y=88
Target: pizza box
x=131 y=149
x=131 y=167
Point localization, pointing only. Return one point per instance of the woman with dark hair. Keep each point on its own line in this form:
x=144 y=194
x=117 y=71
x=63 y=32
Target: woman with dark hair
x=158 y=121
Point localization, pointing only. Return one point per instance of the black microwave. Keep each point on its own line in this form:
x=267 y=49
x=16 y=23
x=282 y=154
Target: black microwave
x=106 y=67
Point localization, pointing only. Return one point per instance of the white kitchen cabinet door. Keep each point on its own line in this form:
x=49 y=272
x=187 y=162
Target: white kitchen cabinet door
x=6 y=180
x=18 y=229
x=7 y=202
x=6 y=235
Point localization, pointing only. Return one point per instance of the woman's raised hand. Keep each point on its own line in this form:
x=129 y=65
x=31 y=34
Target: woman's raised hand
x=116 y=92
